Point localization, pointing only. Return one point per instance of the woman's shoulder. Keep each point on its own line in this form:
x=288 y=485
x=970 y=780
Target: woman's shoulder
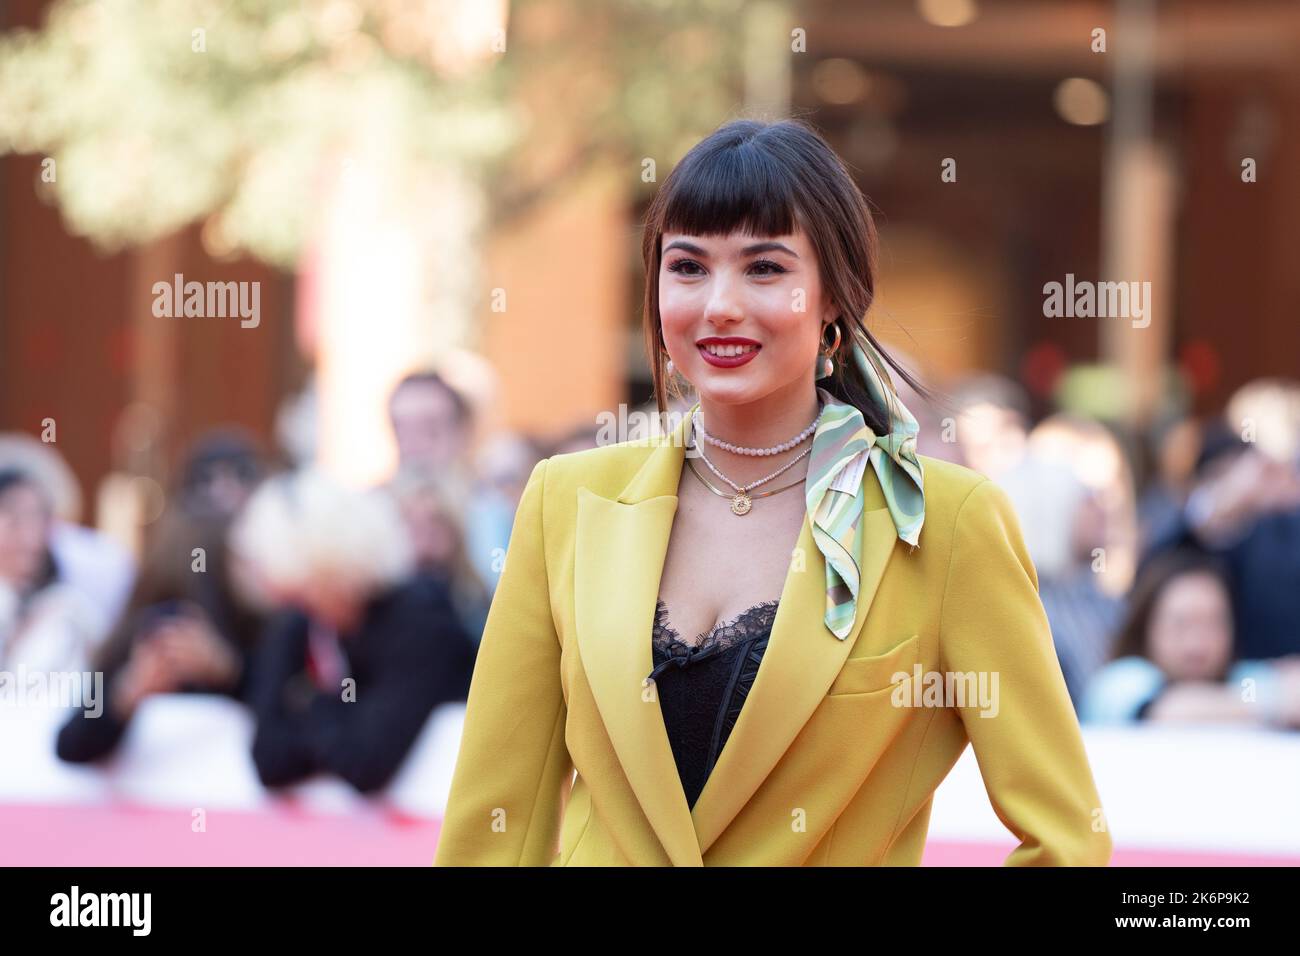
x=950 y=486
x=969 y=511
x=604 y=469
x=943 y=476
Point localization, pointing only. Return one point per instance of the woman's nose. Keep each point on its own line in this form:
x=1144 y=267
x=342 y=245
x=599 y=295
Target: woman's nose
x=724 y=299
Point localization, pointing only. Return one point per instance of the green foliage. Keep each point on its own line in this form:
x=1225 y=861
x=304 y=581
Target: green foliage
x=149 y=133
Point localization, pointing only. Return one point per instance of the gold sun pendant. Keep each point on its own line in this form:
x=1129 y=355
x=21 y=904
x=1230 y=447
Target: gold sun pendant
x=741 y=504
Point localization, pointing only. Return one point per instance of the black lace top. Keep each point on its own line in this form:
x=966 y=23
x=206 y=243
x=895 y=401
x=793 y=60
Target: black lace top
x=702 y=687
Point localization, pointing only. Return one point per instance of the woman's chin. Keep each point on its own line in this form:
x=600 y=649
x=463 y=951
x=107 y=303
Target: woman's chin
x=726 y=394
x=733 y=390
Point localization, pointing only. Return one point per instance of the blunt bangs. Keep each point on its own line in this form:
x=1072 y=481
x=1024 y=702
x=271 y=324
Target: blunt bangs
x=736 y=186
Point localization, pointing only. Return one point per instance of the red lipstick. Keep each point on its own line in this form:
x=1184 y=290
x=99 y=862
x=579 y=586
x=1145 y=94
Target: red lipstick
x=728 y=361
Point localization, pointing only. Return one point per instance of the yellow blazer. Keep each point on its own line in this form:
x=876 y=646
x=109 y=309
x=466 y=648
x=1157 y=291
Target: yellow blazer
x=831 y=761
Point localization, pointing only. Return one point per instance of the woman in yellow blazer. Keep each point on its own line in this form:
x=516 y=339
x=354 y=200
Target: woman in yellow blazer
x=907 y=621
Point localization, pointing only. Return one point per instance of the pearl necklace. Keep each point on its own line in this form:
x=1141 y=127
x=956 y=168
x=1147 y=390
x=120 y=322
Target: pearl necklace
x=739 y=503
x=742 y=502
x=774 y=450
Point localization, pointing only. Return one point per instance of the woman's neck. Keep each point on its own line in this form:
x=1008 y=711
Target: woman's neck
x=774 y=419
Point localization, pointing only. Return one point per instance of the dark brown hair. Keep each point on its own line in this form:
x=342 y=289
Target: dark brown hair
x=49 y=572
x=1154 y=576
x=765 y=179
x=166 y=578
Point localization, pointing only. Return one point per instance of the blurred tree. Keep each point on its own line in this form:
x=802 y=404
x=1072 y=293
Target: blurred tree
x=160 y=113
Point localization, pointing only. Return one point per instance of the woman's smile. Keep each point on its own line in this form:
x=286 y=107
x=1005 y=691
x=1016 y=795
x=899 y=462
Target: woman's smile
x=727 y=351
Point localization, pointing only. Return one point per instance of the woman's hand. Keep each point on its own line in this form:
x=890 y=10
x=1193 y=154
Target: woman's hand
x=1251 y=486
x=194 y=652
x=1209 y=701
x=147 y=672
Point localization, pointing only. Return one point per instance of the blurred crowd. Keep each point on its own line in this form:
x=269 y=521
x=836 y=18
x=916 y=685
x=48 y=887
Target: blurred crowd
x=1168 y=562
x=343 y=617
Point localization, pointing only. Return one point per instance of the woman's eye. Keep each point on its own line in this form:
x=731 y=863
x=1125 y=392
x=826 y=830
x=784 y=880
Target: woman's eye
x=768 y=267
x=684 y=267
x=763 y=267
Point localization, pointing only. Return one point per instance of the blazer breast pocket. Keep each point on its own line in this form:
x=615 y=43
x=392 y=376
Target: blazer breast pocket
x=862 y=675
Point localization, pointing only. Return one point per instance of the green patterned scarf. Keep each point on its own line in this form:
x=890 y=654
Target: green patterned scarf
x=842 y=446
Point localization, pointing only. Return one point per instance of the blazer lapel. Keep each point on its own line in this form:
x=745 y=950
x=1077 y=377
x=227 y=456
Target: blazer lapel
x=620 y=549
x=802 y=660
x=619 y=557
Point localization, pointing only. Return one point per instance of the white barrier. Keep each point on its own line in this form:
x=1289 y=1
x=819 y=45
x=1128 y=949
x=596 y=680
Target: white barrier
x=1212 y=788
x=192 y=750
x=1203 y=787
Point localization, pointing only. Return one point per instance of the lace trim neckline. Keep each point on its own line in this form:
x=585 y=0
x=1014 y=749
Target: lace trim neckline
x=752 y=622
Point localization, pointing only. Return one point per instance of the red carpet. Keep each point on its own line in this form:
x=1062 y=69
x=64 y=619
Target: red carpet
x=135 y=836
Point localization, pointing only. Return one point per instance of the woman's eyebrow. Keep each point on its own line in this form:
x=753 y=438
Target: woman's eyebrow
x=690 y=247
x=768 y=246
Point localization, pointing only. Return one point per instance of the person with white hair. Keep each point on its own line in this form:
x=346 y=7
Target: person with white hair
x=364 y=649
x=46 y=625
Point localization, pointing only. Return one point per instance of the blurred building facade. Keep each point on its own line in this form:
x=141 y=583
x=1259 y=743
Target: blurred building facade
x=1123 y=164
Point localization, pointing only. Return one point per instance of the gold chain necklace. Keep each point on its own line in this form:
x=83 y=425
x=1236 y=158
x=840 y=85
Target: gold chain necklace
x=741 y=501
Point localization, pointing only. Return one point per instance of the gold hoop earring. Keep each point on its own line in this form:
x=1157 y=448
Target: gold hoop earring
x=825 y=362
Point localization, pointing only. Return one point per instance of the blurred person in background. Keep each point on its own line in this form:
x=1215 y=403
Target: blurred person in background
x=502 y=469
x=87 y=559
x=1105 y=531
x=1060 y=497
x=992 y=424
x=191 y=622
x=1245 y=507
x=1084 y=542
x=1174 y=659
x=433 y=425
x=437 y=535
x=220 y=472
x=364 y=648
x=1175 y=443
x=46 y=625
